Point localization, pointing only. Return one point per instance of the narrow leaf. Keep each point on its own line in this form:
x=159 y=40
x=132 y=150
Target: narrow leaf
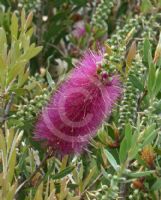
x=89 y=177
x=151 y=79
x=131 y=54
x=49 y=79
x=147 y=47
x=123 y=151
x=14 y=27
x=128 y=135
x=141 y=174
x=150 y=138
x=111 y=159
x=29 y=20
x=158 y=83
x=156 y=185
x=63 y=173
x=11 y=166
x=136 y=82
x=157 y=54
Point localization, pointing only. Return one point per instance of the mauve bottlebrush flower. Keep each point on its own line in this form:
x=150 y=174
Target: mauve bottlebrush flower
x=79 y=107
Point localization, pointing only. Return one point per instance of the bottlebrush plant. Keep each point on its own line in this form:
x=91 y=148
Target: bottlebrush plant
x=80 y=100
x=71 y=118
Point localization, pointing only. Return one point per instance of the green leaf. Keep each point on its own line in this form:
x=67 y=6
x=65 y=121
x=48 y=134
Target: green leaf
x=25 y=42
x=15 y=52
x=22 y=78
x=89 y=177
x=128 y=135
x=131 y=55
x=31 y=52
x=23 y=19
x=81 y=172
x=157 y=150
x=29 y=33
x=151 y=79
x=3 y=43
x=2 y=71
x=133 y=152
x=136 y=82
x=49 y=79
x=158 y=83
x=140 y=174
x=11 y=166
x=79 y=2
x=144 y=136
x=3 y=144
x=63 y=173
x=39 y=192
x=157 y=54
x=9 y=138
x=111 y=159
x=105 y=174
x=123 y=151
x=134 y=146
x=15 y=71
x=156 y=185
x=134 y=139
x=150 y=58
x=88 y=28
x=146 y=6
x=150 y=138
x=29 y=20
x=158 y=107
x=3 y=38
x=99 y=33
x=14 y=27
x=147 y=46
x=11 y=193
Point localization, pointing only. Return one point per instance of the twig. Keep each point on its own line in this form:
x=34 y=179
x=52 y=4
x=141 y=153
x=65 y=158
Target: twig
x=57 y=48
x=123 y=185
x=27 y=181
x=7 y=109
x=90 y=186
x=123 y=191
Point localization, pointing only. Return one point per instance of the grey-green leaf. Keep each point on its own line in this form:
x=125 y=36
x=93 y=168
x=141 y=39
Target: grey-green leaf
x=63 y=173
x=111 y=159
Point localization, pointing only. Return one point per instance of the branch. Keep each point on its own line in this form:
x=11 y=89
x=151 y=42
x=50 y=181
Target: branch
x=90 y=186
x=27 y=181
x=123 y=191
x=57 y=48
x=7 y=109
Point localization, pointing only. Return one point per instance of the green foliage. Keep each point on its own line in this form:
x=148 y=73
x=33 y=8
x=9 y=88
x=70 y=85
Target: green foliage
x=15 y=59
x=8 y=145
x=100 y=16
x=123 y=161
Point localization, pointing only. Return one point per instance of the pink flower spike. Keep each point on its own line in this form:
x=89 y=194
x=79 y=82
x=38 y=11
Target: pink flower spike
x=79 y=107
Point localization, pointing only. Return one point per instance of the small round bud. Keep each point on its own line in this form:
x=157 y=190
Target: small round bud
x=136 y=191
x=32 y=101
x=109 y=175
x=115 y=188
x=104 y=187
x=115 y=177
